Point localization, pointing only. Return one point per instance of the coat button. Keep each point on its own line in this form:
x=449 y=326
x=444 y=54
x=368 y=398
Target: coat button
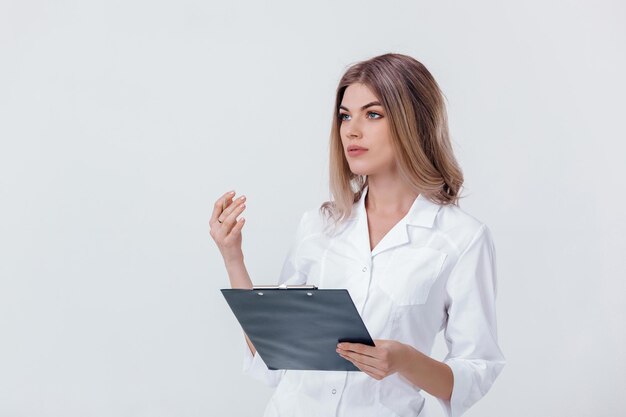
x=334 y=391
x=364 y=268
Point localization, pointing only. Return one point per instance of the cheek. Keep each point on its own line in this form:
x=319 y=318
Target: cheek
x=382 y=132
x=386 y=141
x=382 y=139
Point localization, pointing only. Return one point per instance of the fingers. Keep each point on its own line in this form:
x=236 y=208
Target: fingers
x=359 y=348
x=237 y=227
x=361 y=358
x=369 y=370
x=232 y=208
x=228 y=219
x=220 y=204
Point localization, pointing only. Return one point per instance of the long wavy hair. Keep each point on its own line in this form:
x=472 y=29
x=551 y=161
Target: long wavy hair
x=418 y=122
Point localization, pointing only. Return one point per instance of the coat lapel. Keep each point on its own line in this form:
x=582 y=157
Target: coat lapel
x=421 y=214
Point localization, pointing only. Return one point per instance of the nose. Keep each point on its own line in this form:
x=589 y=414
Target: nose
x=353 y=130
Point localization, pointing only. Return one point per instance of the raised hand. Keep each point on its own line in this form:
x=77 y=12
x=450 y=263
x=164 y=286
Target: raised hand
x=225 y=229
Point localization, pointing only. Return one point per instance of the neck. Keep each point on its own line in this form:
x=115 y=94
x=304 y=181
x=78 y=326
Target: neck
x=389 y=198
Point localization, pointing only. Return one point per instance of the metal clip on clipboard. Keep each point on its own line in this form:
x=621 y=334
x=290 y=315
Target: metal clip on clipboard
x=284 y=287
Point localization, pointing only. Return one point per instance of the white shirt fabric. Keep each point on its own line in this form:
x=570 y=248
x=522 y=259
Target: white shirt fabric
x=434 y=270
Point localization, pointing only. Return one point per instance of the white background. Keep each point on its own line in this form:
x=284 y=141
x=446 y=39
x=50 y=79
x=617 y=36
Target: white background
x=121 y=123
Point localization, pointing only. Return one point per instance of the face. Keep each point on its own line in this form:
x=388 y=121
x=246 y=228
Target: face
x=365 y=125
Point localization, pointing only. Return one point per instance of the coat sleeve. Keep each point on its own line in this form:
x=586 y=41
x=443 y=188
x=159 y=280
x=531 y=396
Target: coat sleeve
x=253 y=365
x=470 y=333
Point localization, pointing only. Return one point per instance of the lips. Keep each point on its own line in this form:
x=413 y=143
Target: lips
x=356 y=148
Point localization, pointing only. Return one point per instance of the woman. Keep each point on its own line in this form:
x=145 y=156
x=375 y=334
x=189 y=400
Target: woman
x=413 y=262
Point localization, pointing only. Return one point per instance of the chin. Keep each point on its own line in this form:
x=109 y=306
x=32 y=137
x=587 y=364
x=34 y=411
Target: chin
x=360 y=167
x=359 y=172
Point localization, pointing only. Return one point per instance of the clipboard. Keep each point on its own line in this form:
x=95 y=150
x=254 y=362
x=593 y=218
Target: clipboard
x=299 y=326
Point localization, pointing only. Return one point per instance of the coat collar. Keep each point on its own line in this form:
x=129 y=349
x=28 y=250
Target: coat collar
x=421 y=214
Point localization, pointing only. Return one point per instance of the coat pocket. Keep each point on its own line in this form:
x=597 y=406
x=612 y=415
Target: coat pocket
x=399 y=397
x=411 y=273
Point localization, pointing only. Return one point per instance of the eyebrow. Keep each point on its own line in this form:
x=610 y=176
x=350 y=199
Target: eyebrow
x=373 y=103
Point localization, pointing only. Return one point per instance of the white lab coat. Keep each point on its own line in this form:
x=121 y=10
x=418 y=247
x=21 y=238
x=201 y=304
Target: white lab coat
x=434 y=270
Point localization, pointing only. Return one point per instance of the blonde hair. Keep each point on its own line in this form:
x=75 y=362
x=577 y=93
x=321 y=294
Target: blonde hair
x=419 y=133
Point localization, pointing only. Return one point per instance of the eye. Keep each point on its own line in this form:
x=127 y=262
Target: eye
x=341 y=115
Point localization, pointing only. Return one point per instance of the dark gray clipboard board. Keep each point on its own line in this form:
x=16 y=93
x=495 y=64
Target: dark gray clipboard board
x=297 y=328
